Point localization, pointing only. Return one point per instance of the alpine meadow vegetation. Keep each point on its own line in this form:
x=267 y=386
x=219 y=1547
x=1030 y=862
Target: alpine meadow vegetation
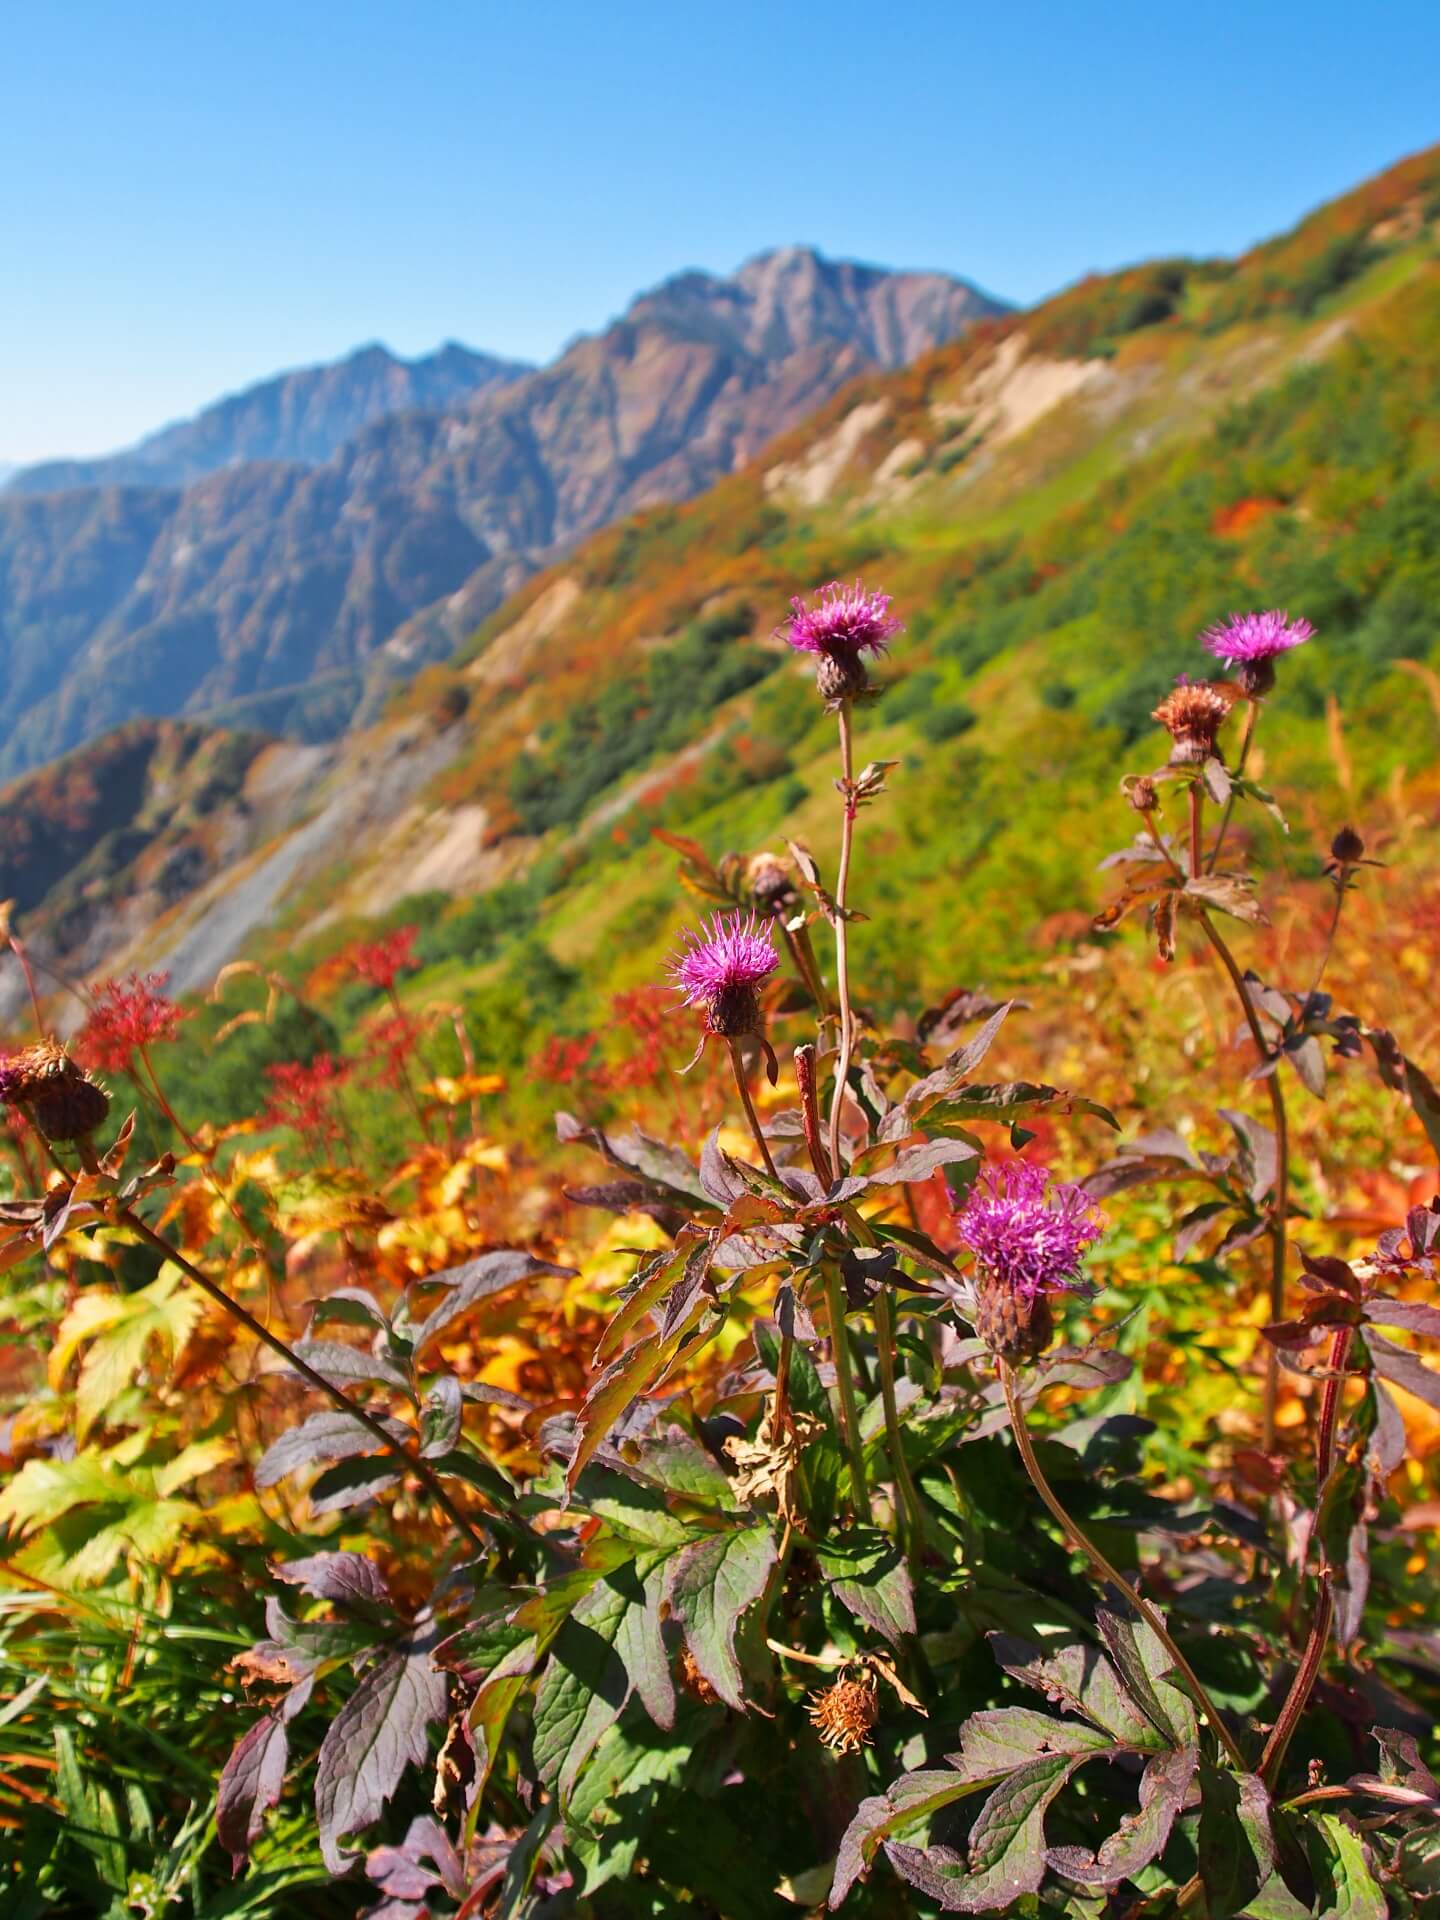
x=871 y=1460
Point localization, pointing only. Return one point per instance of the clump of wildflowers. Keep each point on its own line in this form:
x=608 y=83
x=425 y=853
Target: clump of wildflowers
x=126 y=1017
x=302 y=1095
x=842 y=625
x=721 y=968
x=1028 y=1236
x=381 y=962
x=1192 y=716
x=1252 y=642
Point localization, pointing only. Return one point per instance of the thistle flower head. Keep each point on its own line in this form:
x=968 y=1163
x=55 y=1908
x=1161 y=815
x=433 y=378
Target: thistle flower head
x=45 y=1084
x=1192 y=716
x=843 y=620
x=1026 y=1233
x=721 y=967
x=1252 y=642
x=844 y=1714
x=125 y=1016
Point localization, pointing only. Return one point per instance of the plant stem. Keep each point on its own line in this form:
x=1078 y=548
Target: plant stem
x=422 y=1470
x=1308 y=1672
x=1197 y=804
x=1107 y=1571
x=1329 y=946
x=845 y=1390
x=1280 y=1203
x=787 y=1340
x=842 y=945
x=1251 y=718
x=803 y=955
x=912 y=1522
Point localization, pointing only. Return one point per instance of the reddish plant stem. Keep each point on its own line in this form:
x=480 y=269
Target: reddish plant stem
x=17 y=947
x=1107 y=1571
x=787 y=1340
x=1308 y=1672
x=1251 y=718
x=1280 y=1202
x=842 y=946
x=414 y=1098
x=126 y=1216
x=1197 y=803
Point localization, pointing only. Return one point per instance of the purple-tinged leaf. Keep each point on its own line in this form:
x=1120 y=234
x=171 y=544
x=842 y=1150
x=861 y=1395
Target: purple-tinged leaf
x=352 y=1483
x=905 y=1802
x=1141 y=1837
x=686 y=1294
x=323 y=1438
x=633 y=1152
x=1236 y=1846
x=1081 y=1678
x=382 y=1728
x=947 y=1077
x=867 y=1573
x=997 y=1740
x=1307 y=1057
x=608 y=1396
x=652 y=1281
x=717 y=1172
x=1388 y=1440
x=1401 y=1764
x=344 y=1366
x=475 y=1281
x=709 y=1586
x=792 y=1318
x=1006 y=1850
x=250 y=1785
x=1145 y=1672
x=440 y=1416
x=630 y=1196
x=354 y=1305
x=1259 y=1158
x=1403 y=1369
x=349 y=1579
x=1425 y=1099
x=916 y=1162
x=1411 y=1316
x=1194 y=1226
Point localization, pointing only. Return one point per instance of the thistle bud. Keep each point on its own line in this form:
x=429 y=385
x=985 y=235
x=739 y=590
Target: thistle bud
x=1142 y=794
x=768 y=879
x=840 y=677
x=1347 y=847
x=844 y=1714
x=61 y=1099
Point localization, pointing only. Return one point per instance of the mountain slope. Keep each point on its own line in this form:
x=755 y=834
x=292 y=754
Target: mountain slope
x=304 y=416
x=1059 y=502
x=265 y=589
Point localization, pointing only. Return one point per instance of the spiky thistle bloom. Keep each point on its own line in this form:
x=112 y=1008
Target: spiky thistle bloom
x=844 y=1714
x=1192 y=715
x=721 y=968
x=842 y=626
x=125 y=1016
x=1028 y=1236
x=1252 y=642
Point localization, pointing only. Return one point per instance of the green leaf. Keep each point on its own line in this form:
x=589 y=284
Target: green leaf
x=1006 y=1857
x=905 y=1802
x=1341 y=1862
x=868 y=1573
x=1237 y=1848
x=1082 y=1679
x=609 y=1647
x=710 y=1584
x=1145 y=1669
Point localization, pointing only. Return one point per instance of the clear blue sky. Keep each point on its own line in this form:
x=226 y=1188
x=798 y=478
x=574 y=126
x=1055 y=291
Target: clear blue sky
x=197 y=195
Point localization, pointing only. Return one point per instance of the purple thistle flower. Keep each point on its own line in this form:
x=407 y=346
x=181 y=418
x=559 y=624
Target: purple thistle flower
x=14 y=1078
x=1026 y=1239
x=720 y=968
x=844 y=621
x=1253 y=641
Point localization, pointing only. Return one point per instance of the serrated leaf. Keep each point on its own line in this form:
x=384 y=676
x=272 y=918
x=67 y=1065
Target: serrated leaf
x=869 y=1575
x=1081 y=1678
x=1006 y=1856
x=382 y=1728
x=905 y=1802
x=1142 y=1836
x=709 y=1586
x=634 y=1152
x=323 y=1438
x=250 y=1784
x=610 y=1393
x=1340 y=1859
x=1145 y=1669
x=478 y=1280
x=952 y=1072
x=345 y=1366
x=349 y=1579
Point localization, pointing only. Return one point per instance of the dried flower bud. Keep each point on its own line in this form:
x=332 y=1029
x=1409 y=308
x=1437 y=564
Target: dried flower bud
x=1347 y=847
x=769 y=882
x=694 y=1681
x=1142 y=794
x=61 y=1099
x=1192 y=716
x=844 y=1714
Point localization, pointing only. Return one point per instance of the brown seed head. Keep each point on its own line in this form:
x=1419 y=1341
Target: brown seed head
x=844 y=1714
x=1142 y=795
x=1192 y=716
x=1347 y=847
x=61 y=1099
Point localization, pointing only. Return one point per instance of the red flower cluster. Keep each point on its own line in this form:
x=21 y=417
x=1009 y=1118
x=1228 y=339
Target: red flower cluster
x=390 y=1045
x=659 y=1027
x=302 y=1095
x=381 y=962
x=126 y=1016
x=561 y=1061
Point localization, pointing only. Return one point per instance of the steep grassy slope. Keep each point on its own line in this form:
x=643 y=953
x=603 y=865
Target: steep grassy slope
x=1057 y=503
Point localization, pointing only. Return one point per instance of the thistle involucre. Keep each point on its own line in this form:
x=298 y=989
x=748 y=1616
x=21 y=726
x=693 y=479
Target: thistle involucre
x=721 y=968
x=842 y=625
x=1028 y=1236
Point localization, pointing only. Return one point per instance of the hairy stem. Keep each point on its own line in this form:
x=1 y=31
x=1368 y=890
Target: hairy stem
x=845 y=1390
x=1251 y=718
x=1308 y=1672
x=422 y=1470
x=1109 y=1572
x=842 y=945
x=1280 y=1201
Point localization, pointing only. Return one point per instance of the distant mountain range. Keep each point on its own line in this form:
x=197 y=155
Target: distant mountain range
x=305 y=416
x=309 y=522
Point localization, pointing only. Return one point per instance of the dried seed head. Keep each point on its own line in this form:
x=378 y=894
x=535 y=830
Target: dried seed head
x=769 y=883
x=1347 y=847
x=61 y=1099
x=844 y=1714
x=1192 y=716
x=694 y=1681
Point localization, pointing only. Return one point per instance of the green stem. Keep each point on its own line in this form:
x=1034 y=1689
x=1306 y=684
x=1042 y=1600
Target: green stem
x=1107 y=1571
x=787 y=1341
x=845 y=1390
x=842 y=946
x=911 y=1516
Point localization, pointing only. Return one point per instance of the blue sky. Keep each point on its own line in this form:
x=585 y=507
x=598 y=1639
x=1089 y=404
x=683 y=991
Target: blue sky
x=194 y=196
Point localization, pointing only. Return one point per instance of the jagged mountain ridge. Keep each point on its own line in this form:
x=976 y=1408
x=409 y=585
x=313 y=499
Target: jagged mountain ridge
x=305 y=416
x=266 y=590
